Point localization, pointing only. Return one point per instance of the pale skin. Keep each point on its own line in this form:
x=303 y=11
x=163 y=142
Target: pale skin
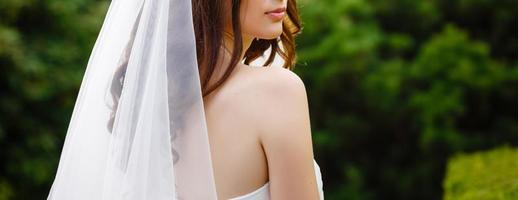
x=258 y=120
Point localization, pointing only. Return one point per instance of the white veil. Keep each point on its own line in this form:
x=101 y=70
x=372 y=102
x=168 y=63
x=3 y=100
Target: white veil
x=138 y=128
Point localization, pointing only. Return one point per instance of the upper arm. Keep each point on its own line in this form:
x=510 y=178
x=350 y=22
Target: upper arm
x=285 y=134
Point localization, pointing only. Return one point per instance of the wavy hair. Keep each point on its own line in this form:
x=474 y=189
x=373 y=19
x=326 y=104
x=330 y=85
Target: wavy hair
x=208 y=18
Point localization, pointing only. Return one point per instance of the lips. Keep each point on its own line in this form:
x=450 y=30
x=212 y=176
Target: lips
x=277 y=14
x=278 y=10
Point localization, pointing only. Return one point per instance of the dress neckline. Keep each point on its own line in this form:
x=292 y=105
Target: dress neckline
x=264 y=190
x=255 y=192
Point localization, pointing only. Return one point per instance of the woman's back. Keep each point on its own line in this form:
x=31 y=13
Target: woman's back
x=233 y=114
x=238 y=159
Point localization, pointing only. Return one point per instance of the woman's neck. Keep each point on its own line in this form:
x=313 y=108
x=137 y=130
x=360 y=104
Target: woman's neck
x=228 y=44
x=225 y=55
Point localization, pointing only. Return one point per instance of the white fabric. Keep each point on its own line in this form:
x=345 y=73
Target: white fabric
x=138 y=128
x=263 y=193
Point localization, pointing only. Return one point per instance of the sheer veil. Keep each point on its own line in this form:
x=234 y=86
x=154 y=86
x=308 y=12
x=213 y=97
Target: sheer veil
x=138 y=128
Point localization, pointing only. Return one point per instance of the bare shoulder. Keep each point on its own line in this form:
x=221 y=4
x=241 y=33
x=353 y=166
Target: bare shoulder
x=253 y=93
x=273 y=96
x=271 y=102
x=280 y=109
x=261 y=86
x=281 y=79
x=276 y=84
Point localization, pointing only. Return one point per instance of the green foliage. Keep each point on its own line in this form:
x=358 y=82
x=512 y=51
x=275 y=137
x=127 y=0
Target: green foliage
x=397 y=86
x=44 y=46
x=483 y=175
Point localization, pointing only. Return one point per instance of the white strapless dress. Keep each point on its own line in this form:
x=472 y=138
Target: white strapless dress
x=263 y=193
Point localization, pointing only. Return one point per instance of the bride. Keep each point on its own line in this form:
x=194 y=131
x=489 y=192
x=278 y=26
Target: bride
x=184 y=114
x=257 y=119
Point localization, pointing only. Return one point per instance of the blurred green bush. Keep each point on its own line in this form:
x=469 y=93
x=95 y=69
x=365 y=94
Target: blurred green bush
x=397 y=86
x=44 y=47
x=483 y=175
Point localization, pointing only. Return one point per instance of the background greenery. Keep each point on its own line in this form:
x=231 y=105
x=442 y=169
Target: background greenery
x=396 y=87
x=487 y=175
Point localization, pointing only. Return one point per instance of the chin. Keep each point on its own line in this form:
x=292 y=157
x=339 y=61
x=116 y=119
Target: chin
x=270 y=37
x=269 y=33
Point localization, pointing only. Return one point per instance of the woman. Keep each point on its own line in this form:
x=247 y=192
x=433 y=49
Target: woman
x=257 y=117
x=167 y=110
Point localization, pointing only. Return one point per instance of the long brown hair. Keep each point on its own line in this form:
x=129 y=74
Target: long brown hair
x=208 y=16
